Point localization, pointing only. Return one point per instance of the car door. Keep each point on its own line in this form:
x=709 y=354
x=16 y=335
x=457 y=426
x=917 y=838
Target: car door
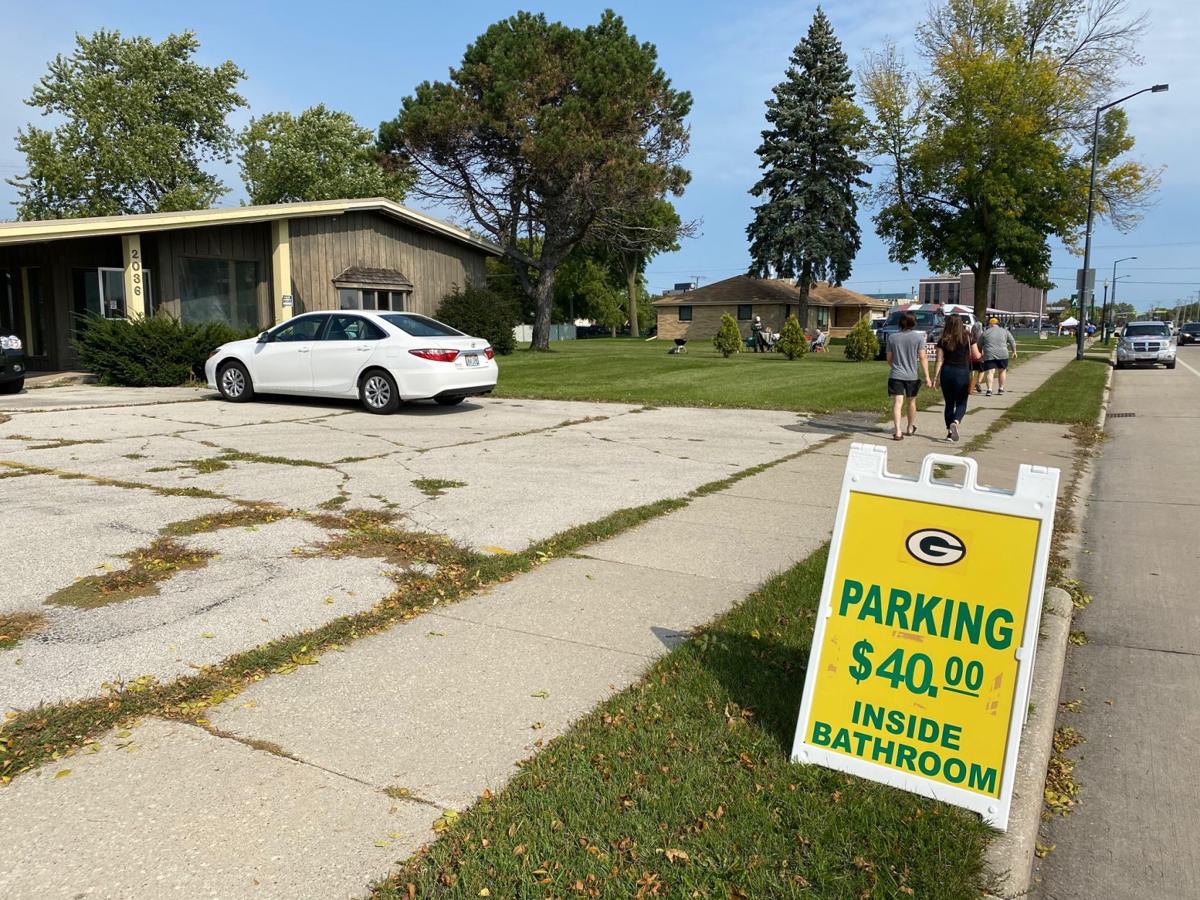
x=283 y=362
x=343 y=350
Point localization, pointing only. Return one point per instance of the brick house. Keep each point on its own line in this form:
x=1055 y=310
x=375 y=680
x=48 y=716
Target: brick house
x=696 y=314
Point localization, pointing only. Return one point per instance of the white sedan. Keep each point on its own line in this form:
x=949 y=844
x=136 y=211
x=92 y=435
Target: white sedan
x=384 y=358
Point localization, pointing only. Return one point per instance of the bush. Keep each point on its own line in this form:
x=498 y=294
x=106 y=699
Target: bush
x=729 y=338
x=155 y=351
x=793 y=342
x=481 y=313
x=861 y=343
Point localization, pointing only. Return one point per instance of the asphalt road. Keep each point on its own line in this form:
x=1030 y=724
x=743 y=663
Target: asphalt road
x=1133 y=833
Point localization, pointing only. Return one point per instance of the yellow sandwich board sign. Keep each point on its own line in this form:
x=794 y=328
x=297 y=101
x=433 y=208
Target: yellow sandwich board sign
x=922 y=655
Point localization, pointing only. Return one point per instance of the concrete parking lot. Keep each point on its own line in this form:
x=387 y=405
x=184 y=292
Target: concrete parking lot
x=92 y=474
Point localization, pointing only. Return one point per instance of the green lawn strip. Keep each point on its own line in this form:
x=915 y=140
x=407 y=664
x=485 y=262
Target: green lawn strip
x=624 y=371
x=32 y=737
x=1071 y=396
x=16 y=626
x=681 y=786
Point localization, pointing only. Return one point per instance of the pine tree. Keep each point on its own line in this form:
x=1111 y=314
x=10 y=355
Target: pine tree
x=806 y=228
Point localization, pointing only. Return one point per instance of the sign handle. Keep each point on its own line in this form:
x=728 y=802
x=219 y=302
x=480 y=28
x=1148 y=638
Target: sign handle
x=941 y=459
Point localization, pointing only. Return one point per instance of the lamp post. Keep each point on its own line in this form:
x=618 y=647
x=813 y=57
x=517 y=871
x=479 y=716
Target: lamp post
x=1104 y=311
x=1087 y=240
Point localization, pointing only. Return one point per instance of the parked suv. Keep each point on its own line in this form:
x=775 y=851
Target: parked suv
x=12 y=363
x=1146 y=344
x=930 y=319
x=1190 y=333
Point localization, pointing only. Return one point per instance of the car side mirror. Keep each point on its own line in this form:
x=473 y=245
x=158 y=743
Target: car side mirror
x=263 y=338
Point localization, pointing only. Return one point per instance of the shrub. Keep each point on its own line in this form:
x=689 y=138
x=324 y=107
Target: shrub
x=153 y=351
x=793 y=342
x=728 y=339
x=861 y=343
x=483 y=313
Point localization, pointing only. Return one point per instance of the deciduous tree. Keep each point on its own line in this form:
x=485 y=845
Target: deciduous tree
x=989 y=148
x=139 y=121
x=541 y=134
x=806 y=228
x=321 y=154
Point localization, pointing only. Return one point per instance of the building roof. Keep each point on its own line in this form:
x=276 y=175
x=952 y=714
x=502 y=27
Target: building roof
x=366 y=277
x=100 y=226
x=744 y=289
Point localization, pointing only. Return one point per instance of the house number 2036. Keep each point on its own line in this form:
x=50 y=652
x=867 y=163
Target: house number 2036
x=135 y=267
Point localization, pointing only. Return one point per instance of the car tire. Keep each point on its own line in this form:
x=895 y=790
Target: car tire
x=1118 y=365
x=233 y=382
x=1171 y=364
x=12 y=387
x=378 y=392
x=449 y=401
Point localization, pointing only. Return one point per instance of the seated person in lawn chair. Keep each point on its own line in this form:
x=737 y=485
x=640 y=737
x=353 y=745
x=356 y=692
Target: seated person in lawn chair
x=760 y=334
x=817 y=345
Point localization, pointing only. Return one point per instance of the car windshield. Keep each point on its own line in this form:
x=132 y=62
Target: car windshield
x=1146 y=331
x=924 y=318
x=420 y=326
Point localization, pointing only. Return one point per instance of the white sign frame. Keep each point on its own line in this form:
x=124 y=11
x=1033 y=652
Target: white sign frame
x=1034 y=498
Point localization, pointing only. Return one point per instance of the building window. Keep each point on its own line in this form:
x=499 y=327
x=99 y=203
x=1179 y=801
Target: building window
x=219 y=290
x=928 y=292
x=952 y=292
x=745 y=312
x=101 y=292
x=685 y=314
x=387 y=301
x=821 y=316
x=937 y=293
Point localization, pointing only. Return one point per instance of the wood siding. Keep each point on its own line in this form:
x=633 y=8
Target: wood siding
x=322 y=247
x=164 y=250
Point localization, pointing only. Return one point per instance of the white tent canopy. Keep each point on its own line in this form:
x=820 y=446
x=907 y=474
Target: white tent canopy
x=1069 y=322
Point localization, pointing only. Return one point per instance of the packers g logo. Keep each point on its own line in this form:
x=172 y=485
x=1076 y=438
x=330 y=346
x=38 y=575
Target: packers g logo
x=935 y=547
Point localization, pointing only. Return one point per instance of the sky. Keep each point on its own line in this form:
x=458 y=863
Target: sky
x=363 y=58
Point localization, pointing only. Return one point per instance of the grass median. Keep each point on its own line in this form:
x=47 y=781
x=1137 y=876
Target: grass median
x=682 y=786
x=1071 y=396
x=634 y=371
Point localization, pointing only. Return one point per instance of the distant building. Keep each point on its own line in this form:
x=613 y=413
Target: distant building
x=696 y=314
x=892 y=296
x=1005 y=294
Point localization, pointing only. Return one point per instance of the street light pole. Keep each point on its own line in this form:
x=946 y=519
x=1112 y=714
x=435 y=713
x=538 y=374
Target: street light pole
x=1087 y=240
x=1104 y=312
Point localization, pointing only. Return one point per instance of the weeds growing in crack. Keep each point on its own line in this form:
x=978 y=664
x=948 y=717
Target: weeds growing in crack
x=16 y=626
x=147 y=568
x=435 y=487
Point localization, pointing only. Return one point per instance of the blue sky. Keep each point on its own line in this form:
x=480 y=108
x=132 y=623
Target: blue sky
x=364 y=57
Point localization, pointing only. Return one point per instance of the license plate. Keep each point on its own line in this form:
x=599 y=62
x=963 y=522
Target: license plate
x=472 y=360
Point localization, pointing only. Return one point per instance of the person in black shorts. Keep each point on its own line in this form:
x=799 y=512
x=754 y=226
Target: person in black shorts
x=905 y=355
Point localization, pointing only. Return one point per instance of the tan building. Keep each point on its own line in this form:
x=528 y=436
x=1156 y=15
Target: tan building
x=249 y=266
x=1005 y=293
x=696 y=314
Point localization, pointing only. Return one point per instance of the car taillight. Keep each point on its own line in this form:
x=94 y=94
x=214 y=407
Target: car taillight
x=436 y=354
x=489 y=353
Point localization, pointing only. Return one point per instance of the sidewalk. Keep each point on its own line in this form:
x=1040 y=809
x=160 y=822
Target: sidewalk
x=315 y=783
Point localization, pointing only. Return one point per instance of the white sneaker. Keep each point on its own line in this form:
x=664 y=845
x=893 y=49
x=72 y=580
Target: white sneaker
x=954 y=431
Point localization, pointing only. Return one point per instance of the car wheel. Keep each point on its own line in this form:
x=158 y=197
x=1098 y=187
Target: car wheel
x=12 y=387
x=233 y=382
x=449 y=401
x=378 y=392
x=1171 y=364
x=1118 y=365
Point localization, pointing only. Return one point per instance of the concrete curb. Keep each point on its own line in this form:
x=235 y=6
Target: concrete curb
x=1010 y=856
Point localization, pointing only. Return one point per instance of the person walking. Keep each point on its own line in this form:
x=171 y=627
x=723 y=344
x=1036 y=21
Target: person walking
x=998 y=346
x=760 y=339
x=905 y=354
x=954 y=353
x=976 y=365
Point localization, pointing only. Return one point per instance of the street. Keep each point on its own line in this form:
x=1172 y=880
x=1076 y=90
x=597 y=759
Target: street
x=1137 y=677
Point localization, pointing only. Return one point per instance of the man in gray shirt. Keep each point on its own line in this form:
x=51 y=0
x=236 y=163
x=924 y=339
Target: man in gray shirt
x=905 y=355
x=997 y=344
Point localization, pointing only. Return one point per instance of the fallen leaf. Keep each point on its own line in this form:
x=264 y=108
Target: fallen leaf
x=541 y=695
x=674 y=854
x=63 y=773
x=208 y=635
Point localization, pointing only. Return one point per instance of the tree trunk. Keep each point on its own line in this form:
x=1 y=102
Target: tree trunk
x=543 y=297
x=804 y=283
x=632 y=262
x=983 y=285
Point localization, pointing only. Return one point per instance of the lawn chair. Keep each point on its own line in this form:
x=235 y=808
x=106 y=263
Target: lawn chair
x=818 y=343
x=679 y=346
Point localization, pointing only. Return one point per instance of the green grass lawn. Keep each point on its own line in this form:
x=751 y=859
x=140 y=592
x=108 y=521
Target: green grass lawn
x=634 y=371
x=1071 y=396
x=682 y=786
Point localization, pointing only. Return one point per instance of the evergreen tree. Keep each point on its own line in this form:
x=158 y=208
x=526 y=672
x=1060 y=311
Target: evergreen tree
x=806 y=228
